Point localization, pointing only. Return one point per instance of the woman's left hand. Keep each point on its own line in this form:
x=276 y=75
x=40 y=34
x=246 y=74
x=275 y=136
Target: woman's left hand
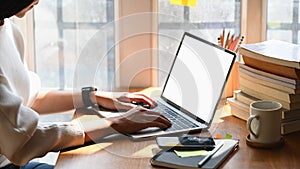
x=138 y=99
x=125 y=102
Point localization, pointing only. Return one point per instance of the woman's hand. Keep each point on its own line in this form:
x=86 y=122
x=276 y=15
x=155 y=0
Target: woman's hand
x=125 y=102
x=137 y=119
x=134 y=120
x=137 y=98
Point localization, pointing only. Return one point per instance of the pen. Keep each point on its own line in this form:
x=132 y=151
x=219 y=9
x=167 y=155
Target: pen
x=222 y=38
x=234 y=43
x=238 y=44
x=230 y=41
x=227 y=40
x=208 y=156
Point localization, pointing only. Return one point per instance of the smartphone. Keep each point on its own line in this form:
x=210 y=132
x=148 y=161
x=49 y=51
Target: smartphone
x=186 y=142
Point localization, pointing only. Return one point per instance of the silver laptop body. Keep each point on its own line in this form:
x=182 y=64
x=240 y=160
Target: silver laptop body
x=193 y=88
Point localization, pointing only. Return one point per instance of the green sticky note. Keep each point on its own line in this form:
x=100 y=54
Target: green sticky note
x=191 y=153
x=228 y=136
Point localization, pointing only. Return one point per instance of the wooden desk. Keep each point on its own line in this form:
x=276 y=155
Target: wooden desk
x=125 y=154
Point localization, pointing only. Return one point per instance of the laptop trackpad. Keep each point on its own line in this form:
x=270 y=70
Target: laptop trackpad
x=148 y=130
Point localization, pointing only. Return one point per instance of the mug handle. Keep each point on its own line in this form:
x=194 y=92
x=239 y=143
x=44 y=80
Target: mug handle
x=249 y=121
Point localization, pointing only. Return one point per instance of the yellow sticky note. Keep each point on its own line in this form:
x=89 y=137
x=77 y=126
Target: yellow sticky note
x=173 y=144
x=184 y=2
x=191 y=153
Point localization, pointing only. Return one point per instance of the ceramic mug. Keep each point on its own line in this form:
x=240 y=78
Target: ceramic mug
x=265 y=121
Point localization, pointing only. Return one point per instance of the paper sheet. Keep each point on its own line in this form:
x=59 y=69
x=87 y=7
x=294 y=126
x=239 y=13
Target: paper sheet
x=190 y=153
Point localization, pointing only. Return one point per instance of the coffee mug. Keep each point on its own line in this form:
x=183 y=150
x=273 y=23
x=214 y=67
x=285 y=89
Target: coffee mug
x=264 y=122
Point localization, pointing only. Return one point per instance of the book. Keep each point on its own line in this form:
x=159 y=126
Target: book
x=269 y=91
x=239 y=109
x=287 y=115
x=279 y=70
x=269 y=84
x=292 y=81
x=171 y=160
x=238 y=113
x=263 y=96
x=290 y=121
x=274 y=83
x=290 y=115
x=290 y=127
x=243 y=97
x=273 y=51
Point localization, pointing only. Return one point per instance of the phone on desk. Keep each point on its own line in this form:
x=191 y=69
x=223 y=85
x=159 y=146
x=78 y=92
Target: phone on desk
x=186 y=142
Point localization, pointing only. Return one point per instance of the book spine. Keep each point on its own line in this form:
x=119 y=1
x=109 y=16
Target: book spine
x=269 y=59
x=262 y=96
x=290 y=115
x=272 y=68
x=243 y=97
x=271 y=92
x=238 y=109
x=290 y=127
x=269 y=75
x=268 y=81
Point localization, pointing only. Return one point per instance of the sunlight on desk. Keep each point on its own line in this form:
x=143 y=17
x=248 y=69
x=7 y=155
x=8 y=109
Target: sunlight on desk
x=92 y=149
x=145 y=152
x=222 y=112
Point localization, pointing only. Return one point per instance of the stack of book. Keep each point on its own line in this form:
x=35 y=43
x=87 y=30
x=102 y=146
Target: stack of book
x=271 y=71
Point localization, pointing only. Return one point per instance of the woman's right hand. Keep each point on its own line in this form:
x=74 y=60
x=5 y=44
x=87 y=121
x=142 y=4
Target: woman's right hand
x=137 y=119
x=134 y=120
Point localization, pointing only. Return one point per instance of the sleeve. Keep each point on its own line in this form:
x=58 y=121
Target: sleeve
x=22 y=138
x=35 y=86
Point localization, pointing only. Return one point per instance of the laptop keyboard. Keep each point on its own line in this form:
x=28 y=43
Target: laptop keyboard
x=178 y=122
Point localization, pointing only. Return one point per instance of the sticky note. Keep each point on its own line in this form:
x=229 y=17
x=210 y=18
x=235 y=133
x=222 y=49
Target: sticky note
x=173 y=144
x=191 y=153
x=184 y=2
x=228 y=136
x=219 y=136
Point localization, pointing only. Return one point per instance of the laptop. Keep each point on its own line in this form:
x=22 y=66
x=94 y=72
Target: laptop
x=193 y=88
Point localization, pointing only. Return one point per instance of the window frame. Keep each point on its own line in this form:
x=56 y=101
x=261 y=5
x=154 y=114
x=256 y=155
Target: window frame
x=254 y=20
x=294 y=27
x=187 y=24
x=253 y=27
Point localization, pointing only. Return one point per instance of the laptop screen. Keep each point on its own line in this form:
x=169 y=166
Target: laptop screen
x=197 y=77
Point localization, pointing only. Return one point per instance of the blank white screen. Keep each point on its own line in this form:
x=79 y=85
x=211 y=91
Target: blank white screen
x=197 y=77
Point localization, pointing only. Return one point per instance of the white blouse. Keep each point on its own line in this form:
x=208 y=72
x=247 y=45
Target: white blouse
x=22 y=138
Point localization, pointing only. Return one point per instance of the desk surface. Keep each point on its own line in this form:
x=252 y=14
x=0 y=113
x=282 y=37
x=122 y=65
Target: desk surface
x=123 y=153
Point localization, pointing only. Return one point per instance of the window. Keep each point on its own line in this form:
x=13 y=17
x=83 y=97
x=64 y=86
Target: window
x=283 y=20
x=207 y=19
x=63 y=29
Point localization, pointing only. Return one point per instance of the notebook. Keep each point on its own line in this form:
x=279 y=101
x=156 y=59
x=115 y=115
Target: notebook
x=171 y=160
x=193 y=88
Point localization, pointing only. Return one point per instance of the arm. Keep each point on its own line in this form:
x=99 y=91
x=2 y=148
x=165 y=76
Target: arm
x=56 y=101
x=134 y=120
x=59 y=101
x=22 y=138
